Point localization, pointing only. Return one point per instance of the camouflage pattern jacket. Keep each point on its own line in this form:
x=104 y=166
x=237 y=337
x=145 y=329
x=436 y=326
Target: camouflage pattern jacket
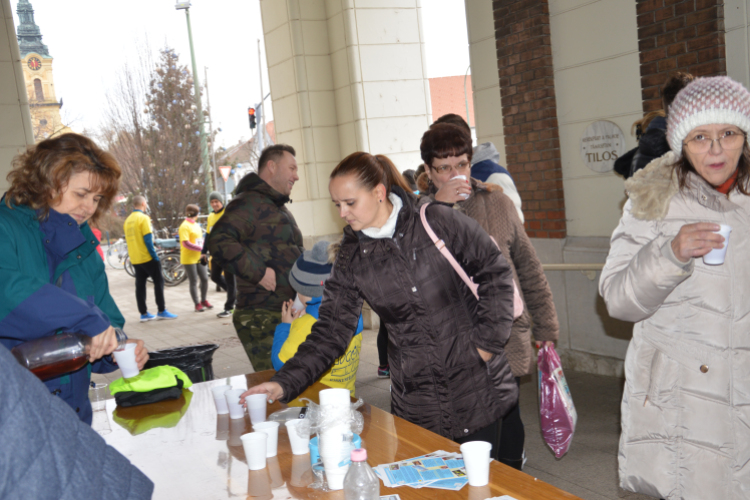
x=256 y=232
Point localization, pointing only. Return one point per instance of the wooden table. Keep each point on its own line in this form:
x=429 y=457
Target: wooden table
x=201 y=455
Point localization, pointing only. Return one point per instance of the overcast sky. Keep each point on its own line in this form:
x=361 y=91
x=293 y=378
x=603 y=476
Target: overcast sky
x=91 y=40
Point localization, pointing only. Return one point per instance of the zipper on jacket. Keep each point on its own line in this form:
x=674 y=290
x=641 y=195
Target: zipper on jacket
x=414 y=253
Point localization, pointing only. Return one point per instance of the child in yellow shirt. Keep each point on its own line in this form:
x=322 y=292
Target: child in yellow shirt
x=307 y=277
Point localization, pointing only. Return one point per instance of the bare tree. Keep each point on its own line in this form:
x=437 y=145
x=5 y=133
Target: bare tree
x=152 y=129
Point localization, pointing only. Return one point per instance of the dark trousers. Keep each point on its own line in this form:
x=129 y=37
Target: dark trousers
x=512 y=435
x=489 y=434
x=506 y=436
x=382 y=345
x=150 y=269
x=226 y=281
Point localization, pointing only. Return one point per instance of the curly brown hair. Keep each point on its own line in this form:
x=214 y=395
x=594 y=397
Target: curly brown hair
x=41 y=174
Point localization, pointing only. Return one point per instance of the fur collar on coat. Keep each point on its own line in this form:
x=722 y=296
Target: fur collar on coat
x=651 y=189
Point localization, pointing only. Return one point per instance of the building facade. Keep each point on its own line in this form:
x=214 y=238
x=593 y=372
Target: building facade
x=552 y=81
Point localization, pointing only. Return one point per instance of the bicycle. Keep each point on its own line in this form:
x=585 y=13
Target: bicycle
x=117 y=253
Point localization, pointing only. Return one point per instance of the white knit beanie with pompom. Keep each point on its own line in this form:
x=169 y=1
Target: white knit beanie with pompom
x=706 y=101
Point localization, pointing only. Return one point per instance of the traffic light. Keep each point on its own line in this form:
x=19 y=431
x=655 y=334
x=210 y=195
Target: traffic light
x=251 y=116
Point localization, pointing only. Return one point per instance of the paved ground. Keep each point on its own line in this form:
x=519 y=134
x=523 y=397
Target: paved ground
x=589 y=470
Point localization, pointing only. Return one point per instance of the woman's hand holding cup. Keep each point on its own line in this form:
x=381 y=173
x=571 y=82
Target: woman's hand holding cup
x=272 y=390
x=696 y=240
x=455 y=190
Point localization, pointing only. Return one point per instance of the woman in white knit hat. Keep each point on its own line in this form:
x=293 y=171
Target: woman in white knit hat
x=686 y=402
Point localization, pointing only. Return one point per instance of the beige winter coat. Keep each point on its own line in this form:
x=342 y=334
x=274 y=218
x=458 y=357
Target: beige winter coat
x=496 y=213
x=686 y=402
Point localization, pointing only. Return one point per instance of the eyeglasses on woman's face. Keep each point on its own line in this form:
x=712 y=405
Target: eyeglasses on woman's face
x=701 y=143
x=444 y=167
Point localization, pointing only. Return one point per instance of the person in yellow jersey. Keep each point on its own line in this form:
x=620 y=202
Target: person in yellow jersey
x=225 y=280
x=140 y=240
x=307 y=277
x=191 y=244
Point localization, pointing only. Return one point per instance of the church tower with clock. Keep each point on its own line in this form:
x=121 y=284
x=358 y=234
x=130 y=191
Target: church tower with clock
x=37 y=72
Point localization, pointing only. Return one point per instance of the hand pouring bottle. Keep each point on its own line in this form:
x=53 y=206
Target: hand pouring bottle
x=57 y=355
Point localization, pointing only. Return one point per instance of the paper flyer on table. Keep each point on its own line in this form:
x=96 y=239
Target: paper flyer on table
x=439 y=469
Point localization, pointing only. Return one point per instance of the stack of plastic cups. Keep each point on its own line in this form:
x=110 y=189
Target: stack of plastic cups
x=336 y=437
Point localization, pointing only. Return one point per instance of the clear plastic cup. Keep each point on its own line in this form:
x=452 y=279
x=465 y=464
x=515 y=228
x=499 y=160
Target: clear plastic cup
x=476 y=456
x=254 y=444
x=220 y=398
x=126 y=361
x=272 y=430
x=98 y=396
x=716 y=256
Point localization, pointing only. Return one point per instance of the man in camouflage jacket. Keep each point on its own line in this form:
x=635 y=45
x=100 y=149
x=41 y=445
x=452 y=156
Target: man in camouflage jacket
x=258 y=241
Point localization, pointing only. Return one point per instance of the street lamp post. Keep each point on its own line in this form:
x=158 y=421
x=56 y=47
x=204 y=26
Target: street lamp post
x=196 y=83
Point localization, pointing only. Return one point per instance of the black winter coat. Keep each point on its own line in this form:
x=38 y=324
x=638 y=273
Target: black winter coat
x=434 y=323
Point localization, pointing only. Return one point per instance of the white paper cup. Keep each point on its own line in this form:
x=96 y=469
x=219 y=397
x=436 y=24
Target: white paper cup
x=272 y=429
x=300 y=445
x=236 y=410
x=254 y=444
x=334 y=474
x=462 y=177
x=716 y=256
x=126 y=361
x=477 y=461
x=220 y=399
x=256 y=407
x=334 y=397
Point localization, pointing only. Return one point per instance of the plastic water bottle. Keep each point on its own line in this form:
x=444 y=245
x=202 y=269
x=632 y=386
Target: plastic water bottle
x=360 y=482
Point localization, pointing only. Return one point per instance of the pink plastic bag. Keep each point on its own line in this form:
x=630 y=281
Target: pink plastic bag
x=556 y=410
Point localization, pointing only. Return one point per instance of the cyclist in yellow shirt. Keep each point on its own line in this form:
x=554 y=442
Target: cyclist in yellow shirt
x=140 y=240
x=225 y=280
x=191 y=244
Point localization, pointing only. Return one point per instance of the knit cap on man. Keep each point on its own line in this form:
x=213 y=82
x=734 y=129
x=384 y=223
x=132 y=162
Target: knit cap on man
x=215 y=195
x=311 y=271
x=706 y=101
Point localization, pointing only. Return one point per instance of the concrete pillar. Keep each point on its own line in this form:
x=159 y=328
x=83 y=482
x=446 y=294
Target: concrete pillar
x=15 y=121
x=485 y=83
x=345 y=76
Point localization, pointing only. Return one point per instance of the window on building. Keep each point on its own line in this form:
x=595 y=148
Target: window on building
x=38 y=89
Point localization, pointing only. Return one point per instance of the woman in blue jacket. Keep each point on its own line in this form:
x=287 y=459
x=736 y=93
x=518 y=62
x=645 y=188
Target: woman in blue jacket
x=51 y=278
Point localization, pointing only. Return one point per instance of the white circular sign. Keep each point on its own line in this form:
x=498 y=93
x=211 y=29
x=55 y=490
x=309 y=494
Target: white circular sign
x=602 y=143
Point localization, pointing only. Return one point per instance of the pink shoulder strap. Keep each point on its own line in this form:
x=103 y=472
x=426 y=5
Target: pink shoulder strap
x=440 y=244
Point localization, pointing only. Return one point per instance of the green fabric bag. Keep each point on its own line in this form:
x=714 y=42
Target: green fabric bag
x=159 y=377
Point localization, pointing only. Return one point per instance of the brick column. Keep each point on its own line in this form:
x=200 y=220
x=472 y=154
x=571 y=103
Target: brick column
x=678 y=35
x=527 y=89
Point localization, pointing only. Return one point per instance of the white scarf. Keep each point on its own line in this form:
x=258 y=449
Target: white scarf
x=389 y=228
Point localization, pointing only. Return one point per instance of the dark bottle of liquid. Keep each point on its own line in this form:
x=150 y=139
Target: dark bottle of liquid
x=57 y=355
